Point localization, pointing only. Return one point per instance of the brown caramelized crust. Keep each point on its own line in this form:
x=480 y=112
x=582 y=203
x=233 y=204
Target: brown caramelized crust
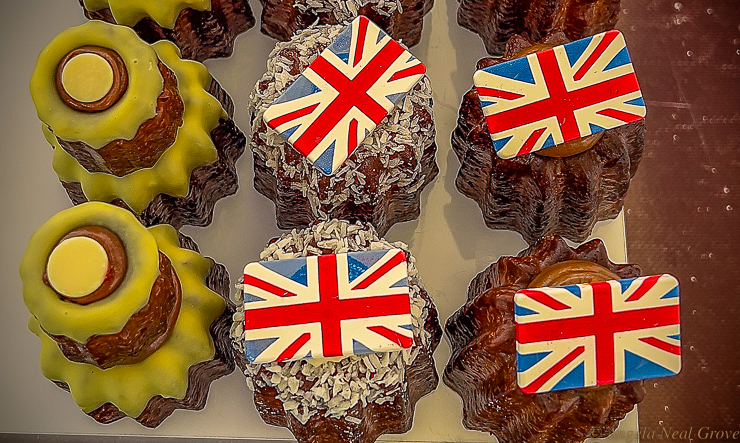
x=482 y=368
x=199 y=34
x=154 y=136
x=120 y=79
x=208 y=183
x=496 y=21
x=117 y=263
x=281 y=19
x=200 y=375
x=143 y=334
x=536 y=195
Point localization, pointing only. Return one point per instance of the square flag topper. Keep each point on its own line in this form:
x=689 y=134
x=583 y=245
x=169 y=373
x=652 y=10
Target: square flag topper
x=559 y=94
x=343 y=95
x=595 y=334
x=325 y=306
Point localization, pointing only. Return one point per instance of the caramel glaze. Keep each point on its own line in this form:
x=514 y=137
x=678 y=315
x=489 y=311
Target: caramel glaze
x=154 y=136
x=120 y=79
x=572 y=272
x=482 y=368
x=117 y=263
x=143 y=334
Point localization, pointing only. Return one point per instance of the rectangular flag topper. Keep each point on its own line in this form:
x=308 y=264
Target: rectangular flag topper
x=327 y=306
x=559 y=94
x=342 y=96
x=595 y=334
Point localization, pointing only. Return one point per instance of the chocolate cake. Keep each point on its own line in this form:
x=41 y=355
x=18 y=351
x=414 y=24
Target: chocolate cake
x=359 y=397
x=483 y=365
x=561 y=190
x=401 y=19
x=380 y=182
x=496 y=21
x=159 y=141
x=201 y=29
x=132 y=320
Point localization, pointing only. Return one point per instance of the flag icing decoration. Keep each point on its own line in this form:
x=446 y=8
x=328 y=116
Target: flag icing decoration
x=594 y=334
x=342 y=96
x=327 y=306
x=559 y=94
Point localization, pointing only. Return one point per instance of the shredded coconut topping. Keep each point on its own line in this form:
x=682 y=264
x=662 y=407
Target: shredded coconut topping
x=397 y=144
x=346 y=10
x=331 y=388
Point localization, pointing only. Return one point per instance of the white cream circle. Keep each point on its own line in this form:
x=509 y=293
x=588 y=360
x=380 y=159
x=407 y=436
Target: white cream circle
x=87 y=77
x=77 y=267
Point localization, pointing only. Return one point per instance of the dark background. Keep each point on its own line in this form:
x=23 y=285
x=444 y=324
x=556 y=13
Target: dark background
x=683 y=206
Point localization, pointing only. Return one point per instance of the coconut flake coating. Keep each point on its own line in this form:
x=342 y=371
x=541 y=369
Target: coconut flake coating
x=537 y=195
x=482 y=368
x=357 y=398
x=380 y=182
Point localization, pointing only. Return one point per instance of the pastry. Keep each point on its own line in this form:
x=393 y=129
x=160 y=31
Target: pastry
x=200 y=28
x=401 y=19
x=483 y=365
x=381 y=179
x=355 y=398
x=132 y=320
x=495 y=21
x=135 y=124
x=564 y=189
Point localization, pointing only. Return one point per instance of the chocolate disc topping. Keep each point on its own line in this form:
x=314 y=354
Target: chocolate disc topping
x=111 y=277
x=91 y=78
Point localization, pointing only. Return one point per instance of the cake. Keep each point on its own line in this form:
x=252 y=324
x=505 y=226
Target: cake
x=564 y=189
x=133 y=321
x=381 y=179
x=483 y=365
x=401 y=19
x=135 y=124
x=352 y=399
x=496 y=21
x=200 y=28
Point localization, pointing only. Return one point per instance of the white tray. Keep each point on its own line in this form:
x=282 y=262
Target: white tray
x=449 y=240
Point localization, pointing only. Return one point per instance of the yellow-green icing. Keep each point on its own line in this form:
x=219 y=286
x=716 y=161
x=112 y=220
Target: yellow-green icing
x=164 y=12
x=192 y=148
x=109 y=315
x=165 y=372
x=137 y=105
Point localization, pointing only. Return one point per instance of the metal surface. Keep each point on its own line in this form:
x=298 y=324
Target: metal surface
x=683 y=207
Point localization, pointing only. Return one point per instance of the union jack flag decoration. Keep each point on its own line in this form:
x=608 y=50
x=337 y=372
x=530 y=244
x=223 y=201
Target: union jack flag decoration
x=595 y=334
x=342 y=96
x=327 y=306
x=559 y=94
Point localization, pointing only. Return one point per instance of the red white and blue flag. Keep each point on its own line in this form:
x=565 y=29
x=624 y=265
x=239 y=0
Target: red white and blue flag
x=342 y=96
x=327 y=306
x=595 y=334
x=560 y=94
